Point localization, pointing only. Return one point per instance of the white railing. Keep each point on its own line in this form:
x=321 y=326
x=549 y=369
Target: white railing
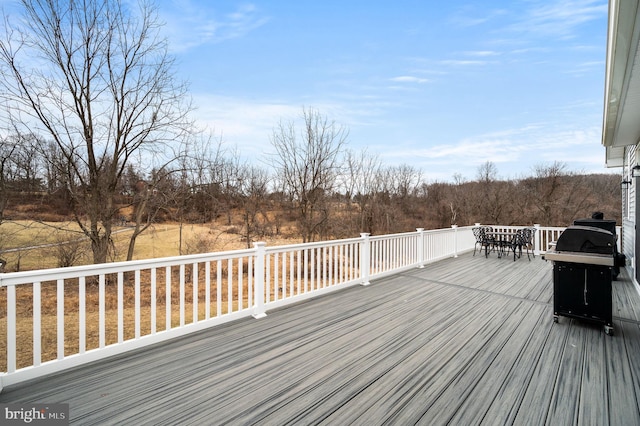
x=58 y=318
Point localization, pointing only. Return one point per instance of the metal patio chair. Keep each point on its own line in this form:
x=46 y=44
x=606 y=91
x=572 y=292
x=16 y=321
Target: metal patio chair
x=484 y=238
x=524 y=238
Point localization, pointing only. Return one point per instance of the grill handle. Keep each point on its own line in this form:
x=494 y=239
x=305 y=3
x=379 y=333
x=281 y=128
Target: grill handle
x=585 y=288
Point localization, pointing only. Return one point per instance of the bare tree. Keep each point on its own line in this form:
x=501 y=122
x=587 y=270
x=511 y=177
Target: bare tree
x=386 y=212
x=362 y=186
x=545 y=191
x=489 y=199
x=308 y=165
x=254 y=193
x=7 y=148
x=68 y=253
x=27 y=163
x=207 y=163
x=59 y=178
x=95 y=77
x=459 y=204
x=227 y=180
x=441 y=208
x=148 y=197
x=405 y=180
x=396 y=202
x=487 y=172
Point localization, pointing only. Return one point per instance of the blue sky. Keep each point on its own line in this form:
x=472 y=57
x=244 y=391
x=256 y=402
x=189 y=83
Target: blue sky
x=443 y=86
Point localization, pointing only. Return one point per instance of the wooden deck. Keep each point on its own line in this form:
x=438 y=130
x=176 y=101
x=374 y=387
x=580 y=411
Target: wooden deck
x=463 y=341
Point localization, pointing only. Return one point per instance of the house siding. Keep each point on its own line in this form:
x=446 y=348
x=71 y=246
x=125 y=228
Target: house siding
x=629 y=197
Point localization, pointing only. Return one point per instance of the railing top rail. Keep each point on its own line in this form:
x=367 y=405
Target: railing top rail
x=392 y=236
x=513 y=226
x=301 y=246
x=412 y=234
x=40 y=275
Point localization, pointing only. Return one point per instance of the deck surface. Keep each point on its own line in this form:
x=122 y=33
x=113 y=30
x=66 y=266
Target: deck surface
x=463 y=341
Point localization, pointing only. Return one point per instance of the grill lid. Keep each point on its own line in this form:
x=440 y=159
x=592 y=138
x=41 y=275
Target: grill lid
x=586 y=239
x=609 y=225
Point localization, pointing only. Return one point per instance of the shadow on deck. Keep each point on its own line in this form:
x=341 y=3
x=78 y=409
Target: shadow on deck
x=463 y=341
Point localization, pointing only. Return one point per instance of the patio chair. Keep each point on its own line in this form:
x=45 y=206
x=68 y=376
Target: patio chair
x=524 y=238
x=529 y=241
x=477 y=233
x=484 y=238
x=504 y=242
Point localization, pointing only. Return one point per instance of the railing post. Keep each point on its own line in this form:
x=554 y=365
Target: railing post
x=258 y=281
x=365 y=256
x=537 y=239
x=11 y=329
x=455 y=240
x=420 y=247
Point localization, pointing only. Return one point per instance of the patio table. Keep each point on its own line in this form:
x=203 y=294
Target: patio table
x=503 y=240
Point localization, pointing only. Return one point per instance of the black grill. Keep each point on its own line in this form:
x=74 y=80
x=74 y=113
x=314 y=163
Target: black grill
x=583 y=260
x=586 y=239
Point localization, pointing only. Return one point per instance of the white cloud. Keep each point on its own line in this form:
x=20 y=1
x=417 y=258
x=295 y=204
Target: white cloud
x=482 y=53
x=244 y=123
x=189 y=24
x=514 y=151
x=248 y=124
x=475 y=151
x=470 y=16
x=586 y=68
x=409 y=79
x=462 y=62
x=560 y=18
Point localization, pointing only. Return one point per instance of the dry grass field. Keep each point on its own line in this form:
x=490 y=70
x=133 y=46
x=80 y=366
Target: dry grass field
x=28 y=245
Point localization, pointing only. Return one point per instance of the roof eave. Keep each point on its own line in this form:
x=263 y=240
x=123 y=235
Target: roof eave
x=622 y=44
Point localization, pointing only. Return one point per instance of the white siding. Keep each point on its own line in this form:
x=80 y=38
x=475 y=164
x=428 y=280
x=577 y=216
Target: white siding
x=629 y=208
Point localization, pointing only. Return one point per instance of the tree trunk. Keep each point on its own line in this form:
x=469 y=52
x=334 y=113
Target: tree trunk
x=100 y=247
x=132 y=244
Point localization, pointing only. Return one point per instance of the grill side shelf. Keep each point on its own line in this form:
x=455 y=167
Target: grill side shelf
x=578 y=257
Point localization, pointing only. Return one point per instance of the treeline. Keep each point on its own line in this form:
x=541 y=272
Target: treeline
x=357 y=193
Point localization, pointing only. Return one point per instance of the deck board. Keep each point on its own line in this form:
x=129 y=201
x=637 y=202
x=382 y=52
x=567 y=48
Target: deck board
x=469 y=340
x=565 y=398
x=593 y=406
x=503 y=365
x=509 y=397
x=477 y=371
x=622 y=398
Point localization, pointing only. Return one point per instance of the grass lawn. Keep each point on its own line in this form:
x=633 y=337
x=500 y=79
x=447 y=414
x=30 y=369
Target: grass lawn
x=27 y=245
